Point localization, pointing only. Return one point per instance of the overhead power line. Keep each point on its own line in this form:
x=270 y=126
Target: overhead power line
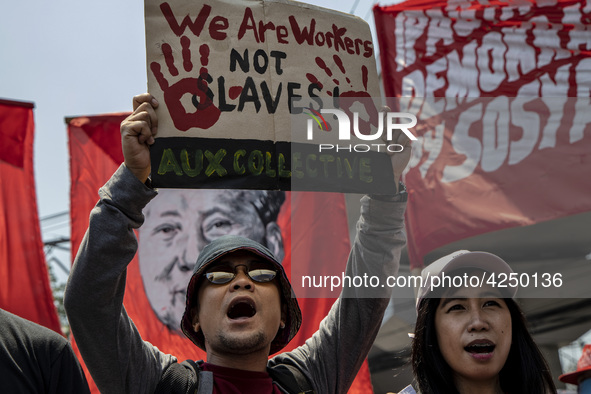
x=354 y=7
x=55 y=215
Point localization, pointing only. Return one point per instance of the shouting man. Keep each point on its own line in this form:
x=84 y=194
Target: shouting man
x=240 y=307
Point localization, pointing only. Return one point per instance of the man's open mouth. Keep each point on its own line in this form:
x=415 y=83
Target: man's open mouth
x=480 y=346
x=242 y=308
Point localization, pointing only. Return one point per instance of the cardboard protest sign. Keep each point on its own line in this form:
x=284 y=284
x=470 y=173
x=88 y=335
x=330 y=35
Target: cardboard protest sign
x=229 y=75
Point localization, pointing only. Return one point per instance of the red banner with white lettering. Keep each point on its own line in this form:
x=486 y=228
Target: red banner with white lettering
x=155 y=291
x=502 y=92
x=24 y=281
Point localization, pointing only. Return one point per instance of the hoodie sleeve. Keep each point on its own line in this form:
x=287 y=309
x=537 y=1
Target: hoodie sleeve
x=112 y=348
x=331 y=358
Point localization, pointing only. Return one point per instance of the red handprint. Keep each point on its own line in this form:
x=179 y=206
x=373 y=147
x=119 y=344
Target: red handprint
x=206 y=114
x=348 y=98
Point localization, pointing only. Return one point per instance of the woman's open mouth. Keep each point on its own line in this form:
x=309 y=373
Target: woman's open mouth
x=480 y=349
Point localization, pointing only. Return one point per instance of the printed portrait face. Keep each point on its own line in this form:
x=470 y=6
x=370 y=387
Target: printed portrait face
x=180 y=222
x=473 y=327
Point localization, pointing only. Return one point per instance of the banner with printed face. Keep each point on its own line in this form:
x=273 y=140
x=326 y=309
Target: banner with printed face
x=24 y=281
x=228 y=75
x=173 y=235
x=502 y=93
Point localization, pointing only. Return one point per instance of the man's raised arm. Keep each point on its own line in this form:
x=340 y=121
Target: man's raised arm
x=115 y=354
x=334 y=354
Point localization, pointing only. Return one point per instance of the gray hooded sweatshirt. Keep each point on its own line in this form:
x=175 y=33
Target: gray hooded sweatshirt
x=121 y=362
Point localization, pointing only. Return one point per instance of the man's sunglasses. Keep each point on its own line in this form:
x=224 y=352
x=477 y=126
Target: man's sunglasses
x=225 y=274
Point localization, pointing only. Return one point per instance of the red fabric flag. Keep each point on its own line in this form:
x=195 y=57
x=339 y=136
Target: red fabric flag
x=95 y=153
x=507 y=87
x=24 y=282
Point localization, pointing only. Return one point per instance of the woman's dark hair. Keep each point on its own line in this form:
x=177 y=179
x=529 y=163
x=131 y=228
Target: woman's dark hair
x=525 y=370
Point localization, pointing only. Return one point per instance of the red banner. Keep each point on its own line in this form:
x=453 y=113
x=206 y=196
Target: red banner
x=504 y=131
x=95 y=151
x=24 y=282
